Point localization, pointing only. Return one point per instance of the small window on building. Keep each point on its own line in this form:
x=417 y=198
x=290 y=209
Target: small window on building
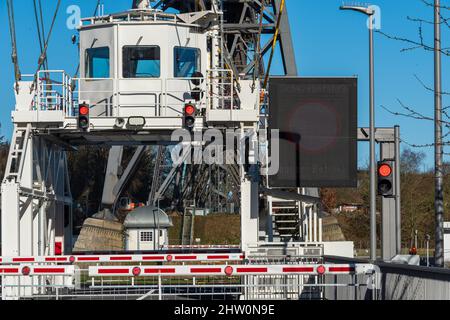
x=97 y=63
x=146 y=236
x=187 y=62
x=141 y=62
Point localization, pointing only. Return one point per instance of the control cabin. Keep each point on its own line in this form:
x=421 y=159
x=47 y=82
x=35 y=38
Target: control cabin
x=138 y=70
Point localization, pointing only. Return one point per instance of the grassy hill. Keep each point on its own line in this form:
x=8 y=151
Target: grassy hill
x=213 y=229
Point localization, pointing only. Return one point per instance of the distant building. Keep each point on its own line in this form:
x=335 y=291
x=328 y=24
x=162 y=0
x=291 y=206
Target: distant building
x=146 y=228
x=349 y=208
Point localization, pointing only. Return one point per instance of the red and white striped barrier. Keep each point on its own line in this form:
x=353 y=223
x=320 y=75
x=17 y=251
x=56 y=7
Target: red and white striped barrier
x=204 y=246
x=37 y=270
x=126 y=258
x=228 y=270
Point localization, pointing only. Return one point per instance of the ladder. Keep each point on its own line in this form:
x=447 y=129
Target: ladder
x=286 y=219
x=18 y=148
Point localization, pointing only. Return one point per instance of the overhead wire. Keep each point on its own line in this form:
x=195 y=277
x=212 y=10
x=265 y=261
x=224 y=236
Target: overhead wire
x=38 y=25
x=43 y=55
x=12 y=32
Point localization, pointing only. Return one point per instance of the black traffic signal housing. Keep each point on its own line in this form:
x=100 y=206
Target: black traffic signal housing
x=189 y=113
x=83 y=116
x=385 y=182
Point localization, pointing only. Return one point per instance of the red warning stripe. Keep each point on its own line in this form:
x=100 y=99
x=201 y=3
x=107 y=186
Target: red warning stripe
x=251 y=270
x=123 y=258
x=341 y=269
x=49 y=270
x=153 y=258
x=9 y=270
x=298 y=269
x=88 y=258
x=23 y=259
x=113 y=271
x=218 y=257
x=160 y=270
x=206 y=270
x=185 y=257
x=53 y=259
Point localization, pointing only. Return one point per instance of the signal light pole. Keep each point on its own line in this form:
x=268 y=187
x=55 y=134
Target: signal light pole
x=370 y=12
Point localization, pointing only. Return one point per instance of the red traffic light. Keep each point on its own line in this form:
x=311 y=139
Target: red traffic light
x=385 y=170
x=83 y=110
x=189 y=110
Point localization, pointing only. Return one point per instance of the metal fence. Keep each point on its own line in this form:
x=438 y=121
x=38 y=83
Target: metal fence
x=394 y=282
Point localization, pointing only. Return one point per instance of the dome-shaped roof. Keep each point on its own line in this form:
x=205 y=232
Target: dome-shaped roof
x=147 y=217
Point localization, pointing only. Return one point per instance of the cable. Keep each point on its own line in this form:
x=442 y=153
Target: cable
x=38 y=27
x=43 y=56
x=274 y=43
x=12 y=32
x=257 y=66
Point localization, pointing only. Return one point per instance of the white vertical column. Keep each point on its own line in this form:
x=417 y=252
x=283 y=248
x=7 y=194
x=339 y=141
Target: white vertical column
x=310 y=224
x=320 y=230
x=315 y=224
x=10 y=219
x=249 y=196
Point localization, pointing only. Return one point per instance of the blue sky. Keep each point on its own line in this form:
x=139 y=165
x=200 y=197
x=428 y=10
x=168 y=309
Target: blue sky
x=328 y=42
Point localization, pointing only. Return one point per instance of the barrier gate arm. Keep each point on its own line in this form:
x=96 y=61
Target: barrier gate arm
x=229 y=270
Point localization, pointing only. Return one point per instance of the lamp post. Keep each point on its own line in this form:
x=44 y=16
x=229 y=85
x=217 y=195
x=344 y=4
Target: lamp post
x=370 y=11
x=439 y=175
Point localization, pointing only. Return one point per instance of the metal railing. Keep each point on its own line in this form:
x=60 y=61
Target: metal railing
x=57 y=91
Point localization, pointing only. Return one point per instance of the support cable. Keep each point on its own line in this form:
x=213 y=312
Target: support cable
x=43 y=56
x=12 y=32
x=43 y=31
x=274 y=43
x=41 y=35
x=256 y=72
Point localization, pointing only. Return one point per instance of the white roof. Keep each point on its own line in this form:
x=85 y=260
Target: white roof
x=147 y=217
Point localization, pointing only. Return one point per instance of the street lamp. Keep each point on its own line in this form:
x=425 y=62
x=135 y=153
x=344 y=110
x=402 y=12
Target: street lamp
x=370 y=11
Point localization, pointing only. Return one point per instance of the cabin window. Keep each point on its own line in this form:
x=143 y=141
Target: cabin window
x=146 y=236
x=187 y=62
x=97 y=63
x=141 y=62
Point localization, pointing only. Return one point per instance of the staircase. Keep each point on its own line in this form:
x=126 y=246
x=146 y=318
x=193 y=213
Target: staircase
x=286 y=221
x=187 y=228
x=14 y=166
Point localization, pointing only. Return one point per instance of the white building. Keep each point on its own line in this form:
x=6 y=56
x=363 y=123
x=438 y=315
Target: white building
x=146 y=228
x=447 y=241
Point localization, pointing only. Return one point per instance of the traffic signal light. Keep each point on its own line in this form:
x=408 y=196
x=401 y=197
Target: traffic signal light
x=189 y=113
x=386 y=178
x=83 y=116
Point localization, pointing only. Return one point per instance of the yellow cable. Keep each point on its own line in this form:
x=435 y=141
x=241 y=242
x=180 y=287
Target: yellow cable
x=274 y=43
